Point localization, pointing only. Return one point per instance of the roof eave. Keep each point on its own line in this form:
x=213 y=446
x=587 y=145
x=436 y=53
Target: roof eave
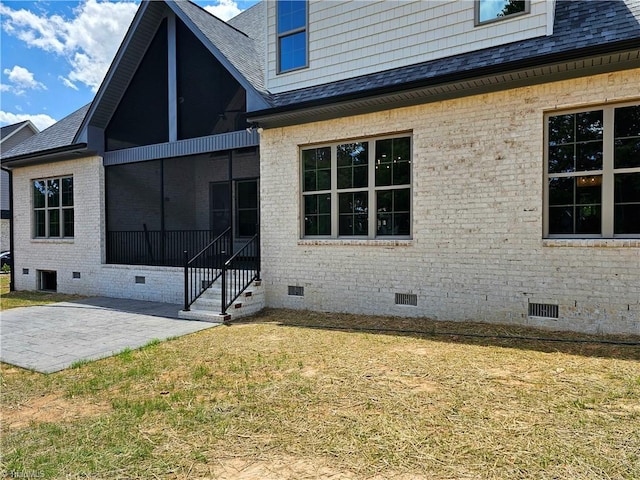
x=68 y=152
x=379 y=98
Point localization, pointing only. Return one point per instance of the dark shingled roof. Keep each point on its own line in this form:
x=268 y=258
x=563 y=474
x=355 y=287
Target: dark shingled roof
x=60 y=134
x=253 y=22
x=237 y=47
x=578 y=25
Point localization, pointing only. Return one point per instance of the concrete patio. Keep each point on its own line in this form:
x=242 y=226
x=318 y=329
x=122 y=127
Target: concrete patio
x=49 y=338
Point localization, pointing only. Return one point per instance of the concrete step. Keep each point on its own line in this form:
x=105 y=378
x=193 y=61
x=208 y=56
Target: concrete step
x=207 y=306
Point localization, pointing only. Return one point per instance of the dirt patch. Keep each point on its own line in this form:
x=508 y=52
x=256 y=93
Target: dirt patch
x=284 y=469
x=50 y=408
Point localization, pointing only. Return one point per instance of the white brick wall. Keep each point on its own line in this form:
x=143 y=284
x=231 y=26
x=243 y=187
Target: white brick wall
x=85 y=252
x=352 y=38
x=477 y=251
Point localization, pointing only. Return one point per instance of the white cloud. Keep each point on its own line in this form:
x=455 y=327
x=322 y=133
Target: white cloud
x=21 y=80
x=67 y=83
x=88 y=40
x=225 y=9
x=40 y=120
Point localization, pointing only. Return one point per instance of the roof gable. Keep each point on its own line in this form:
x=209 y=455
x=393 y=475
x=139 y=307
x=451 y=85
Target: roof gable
x=233 y=49
x=9 y=130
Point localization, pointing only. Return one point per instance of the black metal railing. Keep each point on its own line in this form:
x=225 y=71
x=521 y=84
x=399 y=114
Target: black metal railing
x=155 y=247
x=205 y=267
x=240 y=271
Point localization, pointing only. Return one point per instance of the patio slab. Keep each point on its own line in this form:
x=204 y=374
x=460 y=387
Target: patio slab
x=49 y=338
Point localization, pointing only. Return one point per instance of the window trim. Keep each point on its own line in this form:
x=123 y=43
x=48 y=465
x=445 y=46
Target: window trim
x=478 y=23
x=607 y=172
x=371 y=190
x=288 y=33
x=46 y=209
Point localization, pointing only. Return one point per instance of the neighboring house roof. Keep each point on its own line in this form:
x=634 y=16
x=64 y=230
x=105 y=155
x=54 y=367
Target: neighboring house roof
x=10 y=136
x=58 y=137
x=581 y=28
x=8 y=130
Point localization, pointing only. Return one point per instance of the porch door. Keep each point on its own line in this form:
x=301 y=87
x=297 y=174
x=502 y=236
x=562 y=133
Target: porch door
x=220 y=206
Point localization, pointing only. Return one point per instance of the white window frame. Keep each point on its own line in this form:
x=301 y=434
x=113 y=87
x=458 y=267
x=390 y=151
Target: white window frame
x=371 y=190
x=48 y=209
x=607 y=172
x=478 y=22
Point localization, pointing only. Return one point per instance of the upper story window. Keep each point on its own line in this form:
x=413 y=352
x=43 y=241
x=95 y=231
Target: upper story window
x=292 y=34
x=53 y=207
x=494 y=10
x=592 y=174
x=357 y=189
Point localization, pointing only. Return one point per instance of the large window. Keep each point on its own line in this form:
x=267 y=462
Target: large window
x=292 y=34
x=593 y=173
x=494 y=10
x=53 y=207
x=358 y=189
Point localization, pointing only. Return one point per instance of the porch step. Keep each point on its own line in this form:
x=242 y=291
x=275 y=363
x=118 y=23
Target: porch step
x=207 y=307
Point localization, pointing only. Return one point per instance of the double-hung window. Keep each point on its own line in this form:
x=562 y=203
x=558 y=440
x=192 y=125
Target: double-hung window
x=357 y=189
x=53 y=207
x=292 y=34
x=592 y=174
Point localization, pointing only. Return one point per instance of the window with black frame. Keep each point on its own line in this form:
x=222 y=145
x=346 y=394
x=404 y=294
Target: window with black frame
x=593 y=173
x=53 y=213
x=357 y=189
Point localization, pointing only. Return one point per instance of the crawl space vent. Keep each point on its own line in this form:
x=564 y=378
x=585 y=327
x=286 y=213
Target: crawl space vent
x=545 y=310
x=407 y=299
x=296 y=291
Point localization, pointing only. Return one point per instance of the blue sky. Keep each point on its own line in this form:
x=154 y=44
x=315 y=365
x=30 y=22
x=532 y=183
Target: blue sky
x=54 y=54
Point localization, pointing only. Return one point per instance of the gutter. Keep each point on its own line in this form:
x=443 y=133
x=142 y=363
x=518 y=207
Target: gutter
x=42 y=156
x=12 y=273
x=490 y=70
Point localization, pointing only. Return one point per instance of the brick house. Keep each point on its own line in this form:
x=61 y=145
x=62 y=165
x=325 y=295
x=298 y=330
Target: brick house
x=10 y=136
x=452 y=160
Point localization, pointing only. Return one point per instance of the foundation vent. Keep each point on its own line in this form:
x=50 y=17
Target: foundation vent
x=296 y=291
x=407 y=299
x=545 y=310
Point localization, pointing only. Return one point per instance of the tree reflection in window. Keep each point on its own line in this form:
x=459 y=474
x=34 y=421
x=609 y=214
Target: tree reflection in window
x=489 y=10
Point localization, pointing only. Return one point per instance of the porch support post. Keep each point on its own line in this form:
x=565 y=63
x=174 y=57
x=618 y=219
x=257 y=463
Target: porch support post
x=172 y=77
x=231 y=205
x=186 y=281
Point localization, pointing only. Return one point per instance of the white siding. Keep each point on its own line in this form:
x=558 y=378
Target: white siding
x=352 y=38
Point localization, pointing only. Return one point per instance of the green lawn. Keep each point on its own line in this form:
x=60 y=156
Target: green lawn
x=26 y=299
x=276 y=399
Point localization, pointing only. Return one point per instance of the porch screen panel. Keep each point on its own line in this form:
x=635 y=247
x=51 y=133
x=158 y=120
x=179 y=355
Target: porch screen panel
x=142 y=116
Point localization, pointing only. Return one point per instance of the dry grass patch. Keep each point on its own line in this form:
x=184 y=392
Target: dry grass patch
x=28 y=298
x=274 y=398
